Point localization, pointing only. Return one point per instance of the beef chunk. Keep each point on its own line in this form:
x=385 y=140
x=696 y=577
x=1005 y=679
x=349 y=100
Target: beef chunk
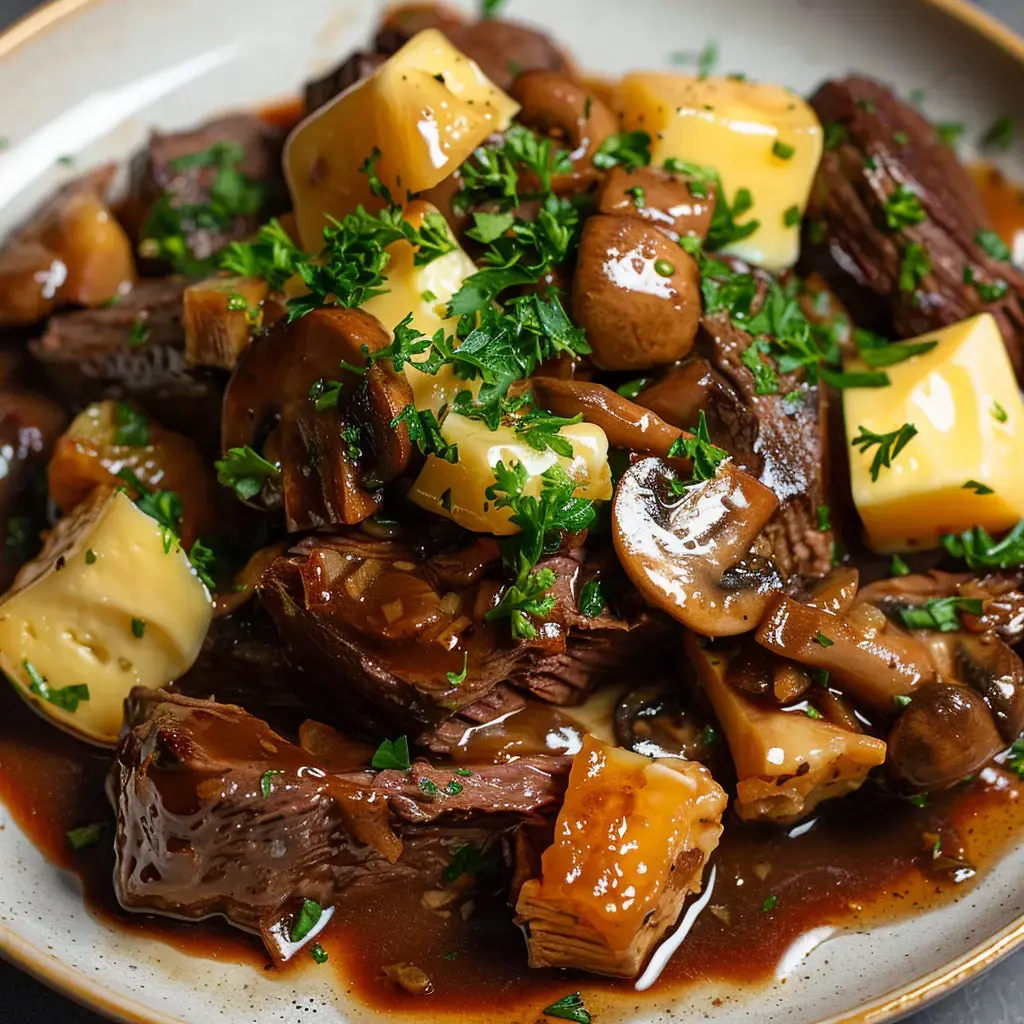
x=173 y=165
x=884 y=145
x=358 y=66
x=134 y=349
x=576 y=653
x=217 y=814
x=497 y=704
x=375 y=635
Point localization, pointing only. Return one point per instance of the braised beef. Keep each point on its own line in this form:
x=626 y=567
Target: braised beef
x=173 y=165
x=778 y=438
x=883 y=146
x=217 y=814
x=134 y=349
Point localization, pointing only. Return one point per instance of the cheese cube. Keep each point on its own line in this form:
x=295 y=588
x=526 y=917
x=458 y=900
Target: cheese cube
x=962 y=397
x=457 y=489
x=758 y=137
x=426 y=110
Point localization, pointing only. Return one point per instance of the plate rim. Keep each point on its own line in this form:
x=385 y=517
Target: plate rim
x=893 y=1005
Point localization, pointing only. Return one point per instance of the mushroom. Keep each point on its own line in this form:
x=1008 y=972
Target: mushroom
x=945 y=734
x=760 y=674
x=636 y=293
x=334 y=454
x=697 y=555
x=659 y=198
x=658 y=720
x=995 y=672
x=554 y=104
x=625 y=424
x=873 y=658
x=786 y=761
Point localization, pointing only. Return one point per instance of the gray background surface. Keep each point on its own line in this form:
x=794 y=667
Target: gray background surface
x=998 y=998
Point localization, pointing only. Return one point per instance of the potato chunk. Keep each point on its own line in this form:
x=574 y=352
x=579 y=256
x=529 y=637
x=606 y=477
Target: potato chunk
x=426 y=109
x=219 y=316
x=963 y=465
x=786 y=762
x=631 y=843
x=757 y=136
x=106 y=606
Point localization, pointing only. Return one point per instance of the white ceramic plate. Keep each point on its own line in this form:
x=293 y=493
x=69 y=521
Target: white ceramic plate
x=90 y=77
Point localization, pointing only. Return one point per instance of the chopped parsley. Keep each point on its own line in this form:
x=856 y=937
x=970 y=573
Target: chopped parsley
x=90 y=556
x=980 y=550
x=425 y=432
x=824 y=518
x=591 y=601
x=987 y=291
x=245 y=471
x=83 y=837
x=812 y=712
x=998 y=413
x=835 y=134
x=1015 y=762
x=138 y=628
x=891 y=353
x=138 y=333
x=950 y=132
x=822 y=640
x=916 y=266
x=541 y=520
x=724 y=229
x=889 y=445
x=428 y=787
x=632 y=388
x=624 y=149
x=992 y=245
x=845 y=379
x=131 y=426
x=305 y=920
x=897 y=567
x=664 y=268
x=755 y=359
x=901 y=700
x=468 y=859
x=267 y=781
x=464 y=772
x=1000 y=133
x=490 y=8
x=67 y=698
x=791 y=218
x=978 y=487
x=458 y=678
x=569 y=1008
x=393 y=754
x=770 y=903
x=705 y=456
x=903 y=209
x=638 y=195
x=316 y=951
x=782 y=150
x=941 y=614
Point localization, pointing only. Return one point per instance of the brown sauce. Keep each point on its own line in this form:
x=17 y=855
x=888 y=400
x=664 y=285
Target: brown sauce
x=863 y=861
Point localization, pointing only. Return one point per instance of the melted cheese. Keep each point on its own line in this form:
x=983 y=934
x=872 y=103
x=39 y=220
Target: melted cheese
x=426 y=109
x=953 y=396
x=734 y=127
x=70 y=614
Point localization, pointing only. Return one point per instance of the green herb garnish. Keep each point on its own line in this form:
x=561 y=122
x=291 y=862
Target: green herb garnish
x=393 y=754
x=889 y=445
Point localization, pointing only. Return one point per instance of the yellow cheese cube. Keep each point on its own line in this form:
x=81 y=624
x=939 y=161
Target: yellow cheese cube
x=962 y=397
x=426 y=110
x=457 y=489
x=758 y=137
x=110 y=603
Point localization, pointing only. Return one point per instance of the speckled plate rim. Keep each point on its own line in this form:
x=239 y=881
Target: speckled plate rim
x=75 y=984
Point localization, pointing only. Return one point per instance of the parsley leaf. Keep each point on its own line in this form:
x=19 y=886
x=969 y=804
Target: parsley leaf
x=941 y=613
x=267 y=781
x=245 y=471
x=889 y=445
x=897 y=567
x=83 y=837
x=305 y=920
x=980 y=550
x=903 y=209
x=993 y=245
x=425 y=432
x=625 y=149
x=131 y=426
x=569 y=1008
x=393 y=754
x=706 y=457
x=318 y=953
x=724 y=229
x=591 y=601
x=67 y=698
x=989 y=291
x=766 y=380
x=849 y=379
x=916 y=265
x=458 y=678
x=540 y=520
x=999 y=134
x=950 y=132
x=978 y=487
x=894 y=352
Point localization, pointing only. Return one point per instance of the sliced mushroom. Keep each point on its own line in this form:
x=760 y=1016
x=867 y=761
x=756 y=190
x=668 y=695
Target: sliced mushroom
x=626 y=425
x=326 y=476
x=636 y=293
x=995 y=672
x=556 y=105
x=760 y=674
x=874 y=659
x=697 y=555
x=664 y=200
x=835 y=593
x=786 y=761
x=945 y=734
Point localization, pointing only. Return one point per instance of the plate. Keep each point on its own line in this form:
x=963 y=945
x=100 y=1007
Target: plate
x=92 y=76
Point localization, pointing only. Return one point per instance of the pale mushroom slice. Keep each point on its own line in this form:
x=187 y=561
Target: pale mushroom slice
x=631 y=842
x=786 y=761
x=697 y=554
x=110 y=603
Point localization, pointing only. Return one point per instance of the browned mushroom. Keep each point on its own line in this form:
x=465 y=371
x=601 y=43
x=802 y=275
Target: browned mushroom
x=872 y=657
x=660 y=198
x=995 y=672
x=698 y=554
x=556 y=105
x=661 y=720
x=754 y=671
x=626 y=424
x=945 y=734
x=636 y=293
x=329 y=429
